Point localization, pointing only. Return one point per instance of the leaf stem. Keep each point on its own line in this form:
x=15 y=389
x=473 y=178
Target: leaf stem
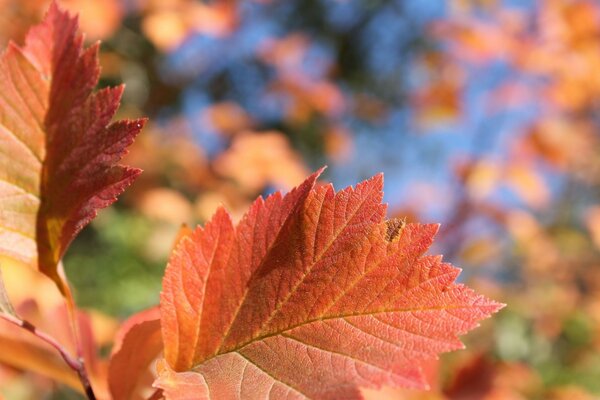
x=73 y=363
x=74 y=322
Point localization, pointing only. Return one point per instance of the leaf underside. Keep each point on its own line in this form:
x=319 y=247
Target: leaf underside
x=311 y=295
x=59 y=150
x=138 y=343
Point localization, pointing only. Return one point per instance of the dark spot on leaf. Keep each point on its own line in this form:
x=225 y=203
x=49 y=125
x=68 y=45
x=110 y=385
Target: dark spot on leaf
x=394 y=228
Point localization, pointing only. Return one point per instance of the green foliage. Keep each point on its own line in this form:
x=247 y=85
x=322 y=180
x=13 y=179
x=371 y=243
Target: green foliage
x=114 y=264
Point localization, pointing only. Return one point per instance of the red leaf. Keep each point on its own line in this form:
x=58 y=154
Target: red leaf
x=138 y=343
x=60 y=149
x=311 y=295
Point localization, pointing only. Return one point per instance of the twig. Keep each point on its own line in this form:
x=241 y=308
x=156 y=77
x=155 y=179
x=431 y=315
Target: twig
x=73 y=363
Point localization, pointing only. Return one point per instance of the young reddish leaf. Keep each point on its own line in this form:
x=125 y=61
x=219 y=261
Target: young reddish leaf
x=311 y=295
x=58 y=163
x=138 y=343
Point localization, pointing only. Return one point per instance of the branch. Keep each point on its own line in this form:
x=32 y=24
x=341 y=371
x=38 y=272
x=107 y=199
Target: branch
x=73 y=363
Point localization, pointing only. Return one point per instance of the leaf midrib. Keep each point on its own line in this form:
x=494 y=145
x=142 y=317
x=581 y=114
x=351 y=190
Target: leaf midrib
x=290 y=337
x=334 y=238
x=246 y=289
x=343 y=316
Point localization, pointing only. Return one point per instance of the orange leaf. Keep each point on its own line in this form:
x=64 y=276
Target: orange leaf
x=138 y=344
x=311 y=295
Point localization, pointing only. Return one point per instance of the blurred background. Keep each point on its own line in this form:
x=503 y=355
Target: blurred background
x=482 y=114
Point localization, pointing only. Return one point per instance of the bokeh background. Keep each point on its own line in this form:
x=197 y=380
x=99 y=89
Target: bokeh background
x=483 y=115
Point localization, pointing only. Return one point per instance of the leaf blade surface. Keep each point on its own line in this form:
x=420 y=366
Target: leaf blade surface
x=339 y=299
x=59 y=150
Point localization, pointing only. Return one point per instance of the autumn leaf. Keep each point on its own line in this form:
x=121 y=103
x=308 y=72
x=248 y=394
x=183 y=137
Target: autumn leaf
x=138 y=343
x=311 y=295
x=59 y=149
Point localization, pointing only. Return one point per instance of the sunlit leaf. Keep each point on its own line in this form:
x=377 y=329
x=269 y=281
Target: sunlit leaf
x=311 y=295
x=59 y=148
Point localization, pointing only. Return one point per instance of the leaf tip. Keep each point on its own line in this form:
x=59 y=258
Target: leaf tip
x=55 y=10
x=132 y=174
x=432 y=229
x=376 y=181
x=315 y=175
x=221 y=214
x=497 y=306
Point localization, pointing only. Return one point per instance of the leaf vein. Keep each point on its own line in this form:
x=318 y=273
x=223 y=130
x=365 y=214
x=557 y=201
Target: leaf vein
x=305 y=274
x=270 y=375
